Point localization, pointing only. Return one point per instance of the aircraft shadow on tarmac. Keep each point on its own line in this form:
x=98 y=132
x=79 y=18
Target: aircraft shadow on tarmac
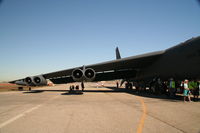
x=105 y=91
x=40 y=91
x=66 y=92
x=33 y=91
x=147 y=94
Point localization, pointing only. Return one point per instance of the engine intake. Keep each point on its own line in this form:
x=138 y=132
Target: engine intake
x=36 y=81
x=89 y=74
x=77 y=75
x=28 y=80
x=40 y=80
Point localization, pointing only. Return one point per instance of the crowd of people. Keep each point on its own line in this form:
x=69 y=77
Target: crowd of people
x=75 y=88
x=170 y=88
x=186 y=87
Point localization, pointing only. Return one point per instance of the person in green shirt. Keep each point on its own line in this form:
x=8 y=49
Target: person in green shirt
x=172 y=88
x=195 y=91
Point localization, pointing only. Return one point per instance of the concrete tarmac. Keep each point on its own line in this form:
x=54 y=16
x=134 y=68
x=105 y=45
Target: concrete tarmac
x=98 y=110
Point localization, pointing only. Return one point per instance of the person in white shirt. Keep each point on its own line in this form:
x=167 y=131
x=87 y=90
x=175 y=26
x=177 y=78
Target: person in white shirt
x=186 y=91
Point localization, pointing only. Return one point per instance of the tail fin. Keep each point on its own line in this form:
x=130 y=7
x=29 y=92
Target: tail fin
x=118 y=56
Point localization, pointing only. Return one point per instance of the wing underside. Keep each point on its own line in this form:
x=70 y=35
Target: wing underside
x=117 y=69
x=124 y=68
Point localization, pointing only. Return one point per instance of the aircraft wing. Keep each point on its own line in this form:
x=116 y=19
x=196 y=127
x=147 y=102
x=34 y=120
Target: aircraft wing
x=134 y=67
x=123 y=68
x=116 y=69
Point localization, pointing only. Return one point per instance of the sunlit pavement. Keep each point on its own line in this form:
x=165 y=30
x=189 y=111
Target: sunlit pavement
x=99 y=110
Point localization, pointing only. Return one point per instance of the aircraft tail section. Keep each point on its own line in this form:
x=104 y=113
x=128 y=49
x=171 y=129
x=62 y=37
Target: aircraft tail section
x=118 y=56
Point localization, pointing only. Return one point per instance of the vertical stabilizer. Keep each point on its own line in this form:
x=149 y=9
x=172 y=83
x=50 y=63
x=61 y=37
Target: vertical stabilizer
x=118 y=56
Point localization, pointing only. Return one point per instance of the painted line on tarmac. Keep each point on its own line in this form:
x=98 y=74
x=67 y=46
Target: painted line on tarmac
x=142 y=119
x=19 y=116
x=10 y=92
x=23 y=114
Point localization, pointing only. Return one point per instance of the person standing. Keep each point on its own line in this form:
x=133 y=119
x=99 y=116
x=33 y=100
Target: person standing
x=191 y=86
x=117 y=84
x=196 y=90
x=186 y=91
x=172 y=88
x=82 y=86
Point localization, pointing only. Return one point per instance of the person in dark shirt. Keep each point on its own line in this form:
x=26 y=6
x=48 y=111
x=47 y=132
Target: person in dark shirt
x=195 y=90
x=82 y=86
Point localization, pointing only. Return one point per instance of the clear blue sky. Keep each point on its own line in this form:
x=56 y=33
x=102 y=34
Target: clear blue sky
x=41 y=36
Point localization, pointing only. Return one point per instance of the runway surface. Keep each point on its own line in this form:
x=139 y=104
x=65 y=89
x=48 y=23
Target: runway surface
x=98 y=110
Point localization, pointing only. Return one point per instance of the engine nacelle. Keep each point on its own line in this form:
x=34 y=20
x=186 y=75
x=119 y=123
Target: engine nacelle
x=29 y=81
x=39 y=80
x=77 y=75
x=89 y=74
x=36 y=81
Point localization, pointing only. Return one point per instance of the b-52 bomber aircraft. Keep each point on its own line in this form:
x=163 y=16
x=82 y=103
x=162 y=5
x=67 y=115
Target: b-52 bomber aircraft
x=180 y=62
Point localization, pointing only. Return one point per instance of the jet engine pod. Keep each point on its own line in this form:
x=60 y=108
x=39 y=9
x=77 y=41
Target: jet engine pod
x=28 y=80
x=77 y=75
x=89 y=74
x=39 y=80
